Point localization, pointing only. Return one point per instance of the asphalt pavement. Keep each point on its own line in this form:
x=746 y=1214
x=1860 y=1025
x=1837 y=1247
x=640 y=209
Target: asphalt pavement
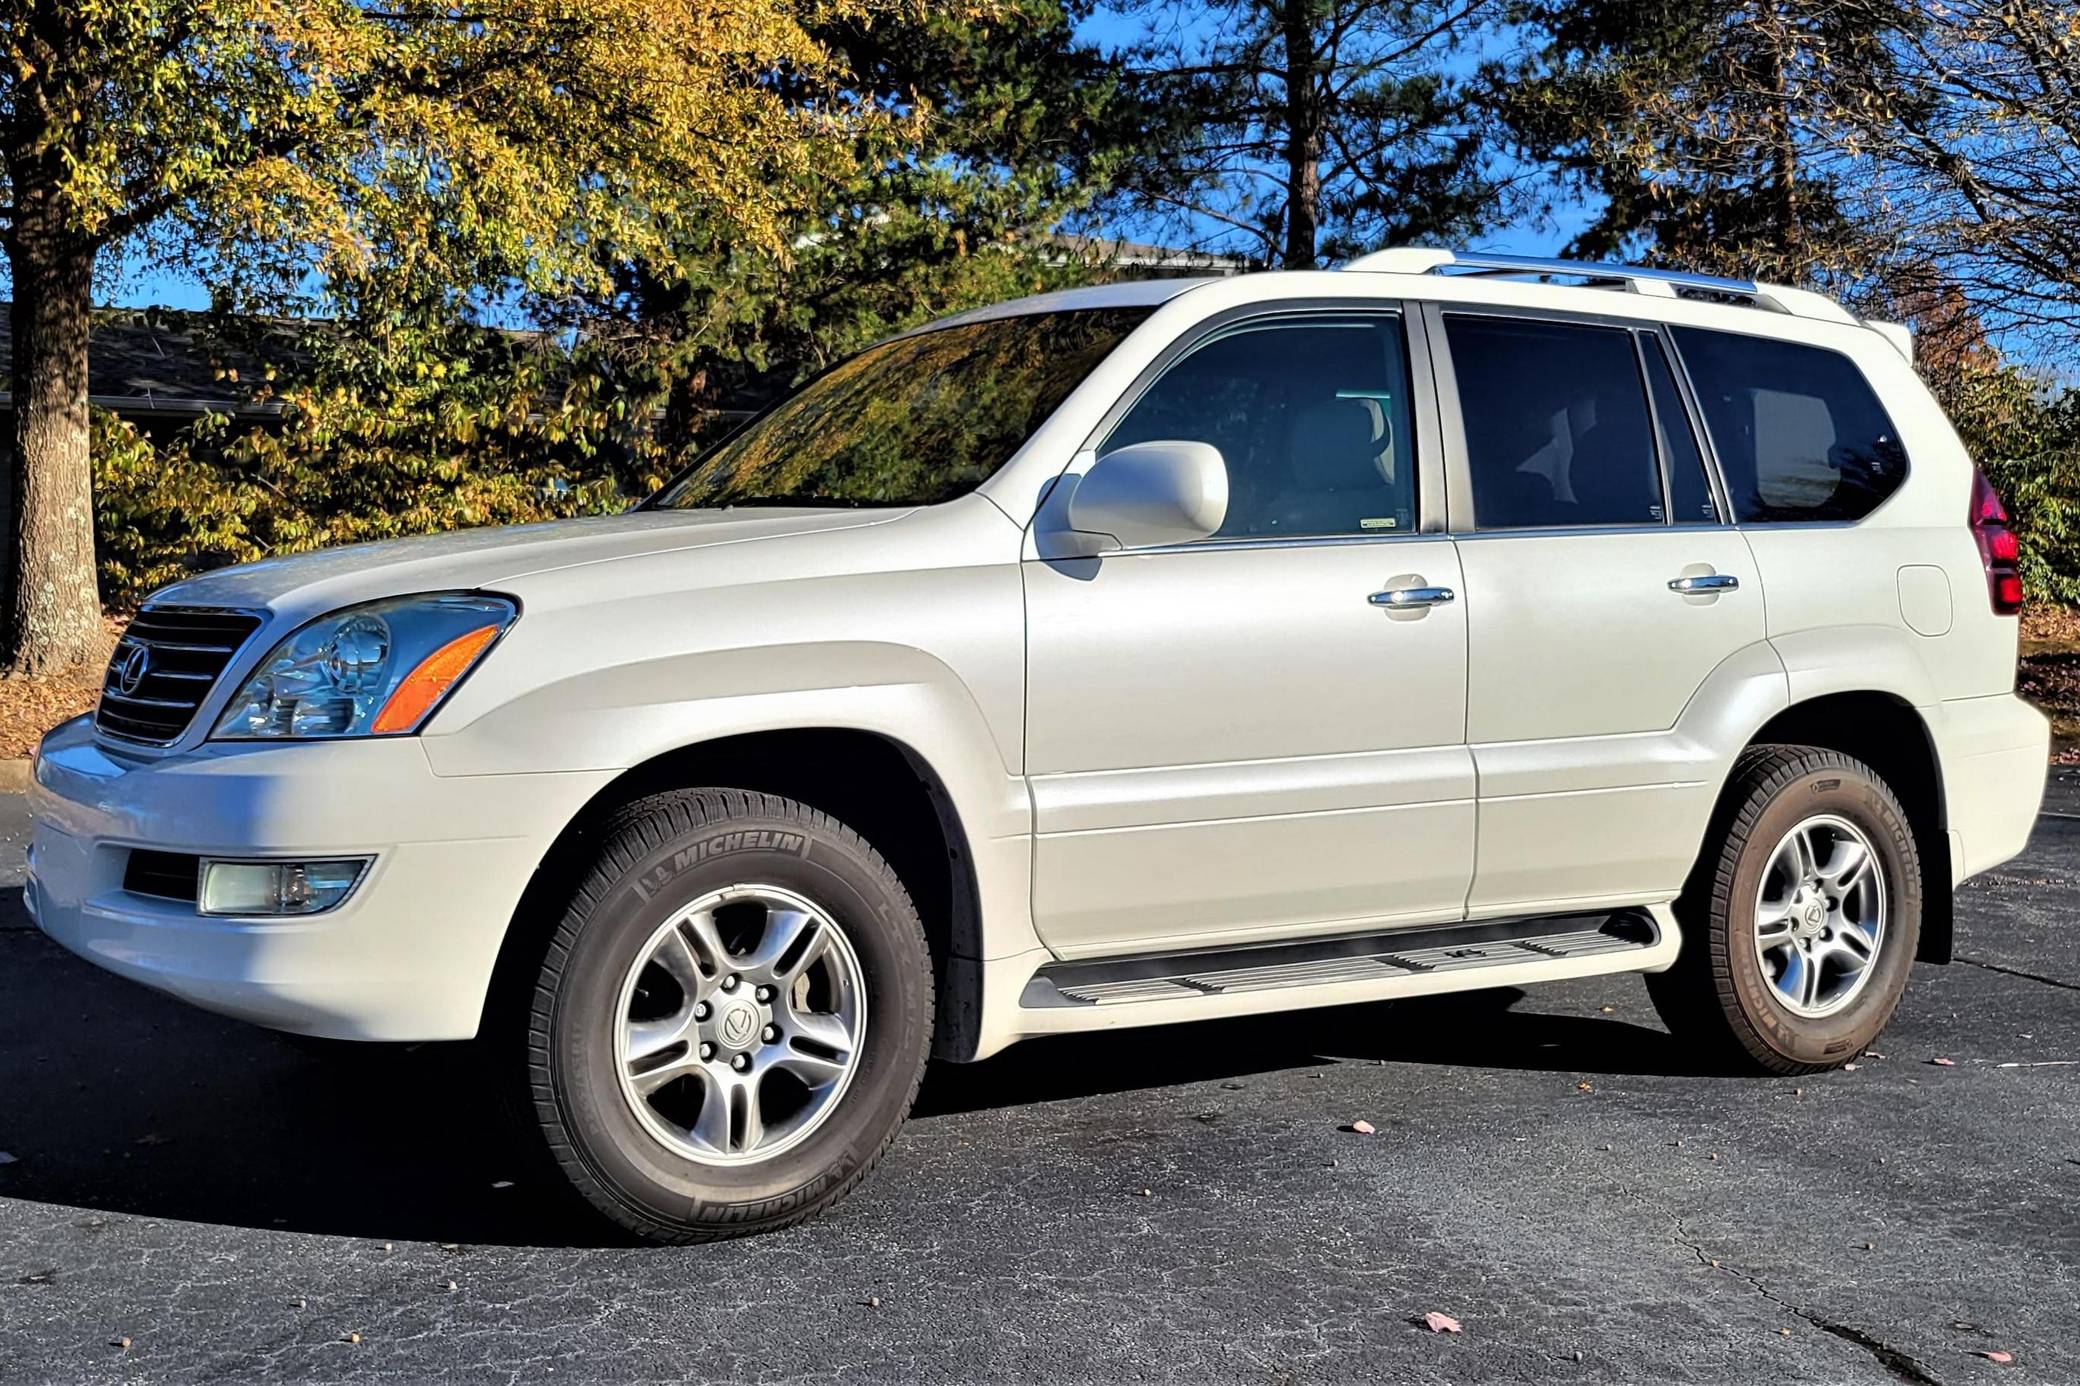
x=191 y=1199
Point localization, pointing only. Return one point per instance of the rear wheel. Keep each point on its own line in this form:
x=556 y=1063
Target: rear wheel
x=1802 y=919
x=732 y=1018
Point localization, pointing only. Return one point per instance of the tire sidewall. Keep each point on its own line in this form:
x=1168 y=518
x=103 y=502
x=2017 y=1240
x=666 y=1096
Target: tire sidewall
x=1854 y=795
x=859 y=894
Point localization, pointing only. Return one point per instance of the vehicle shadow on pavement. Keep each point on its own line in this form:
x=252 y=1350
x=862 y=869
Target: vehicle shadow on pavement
x=114 y=1099
x=119 y=1100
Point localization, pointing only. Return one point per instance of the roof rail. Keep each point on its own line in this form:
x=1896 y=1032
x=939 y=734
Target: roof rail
x=1638 y=279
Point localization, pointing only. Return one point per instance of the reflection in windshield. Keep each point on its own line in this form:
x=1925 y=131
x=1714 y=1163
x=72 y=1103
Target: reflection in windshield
x=913 y=421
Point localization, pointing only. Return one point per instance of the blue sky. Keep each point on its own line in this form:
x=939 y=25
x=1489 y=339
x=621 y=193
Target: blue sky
x=140 y=286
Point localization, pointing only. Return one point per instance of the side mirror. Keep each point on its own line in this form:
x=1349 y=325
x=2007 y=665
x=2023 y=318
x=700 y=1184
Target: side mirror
x=1148 y=494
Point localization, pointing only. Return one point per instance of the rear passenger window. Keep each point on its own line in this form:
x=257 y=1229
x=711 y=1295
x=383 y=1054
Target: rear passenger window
x=1798 y=433
x=1311 y=416
x=1689 y=494
x=1556 y=424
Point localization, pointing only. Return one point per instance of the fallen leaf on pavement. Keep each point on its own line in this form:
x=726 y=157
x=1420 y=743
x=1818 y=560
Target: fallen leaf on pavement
x=1944 y=1063
x=1583 y=1087
x=1996 y=1355
x=1363 y=1128
x=1440 y=1323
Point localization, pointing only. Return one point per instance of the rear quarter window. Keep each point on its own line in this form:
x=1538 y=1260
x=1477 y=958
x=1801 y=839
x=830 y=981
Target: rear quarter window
x=1798 y=431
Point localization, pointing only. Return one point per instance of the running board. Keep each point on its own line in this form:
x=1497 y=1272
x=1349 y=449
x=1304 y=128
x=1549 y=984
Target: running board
x=1406 y=953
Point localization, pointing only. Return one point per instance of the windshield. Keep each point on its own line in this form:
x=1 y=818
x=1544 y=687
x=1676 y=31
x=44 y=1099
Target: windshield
x=913 y=421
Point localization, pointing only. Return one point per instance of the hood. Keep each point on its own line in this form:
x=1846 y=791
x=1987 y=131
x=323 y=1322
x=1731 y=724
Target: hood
x=310 y=584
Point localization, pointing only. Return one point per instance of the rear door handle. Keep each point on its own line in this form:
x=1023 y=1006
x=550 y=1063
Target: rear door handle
x=1408 y=598
x=1706 y=582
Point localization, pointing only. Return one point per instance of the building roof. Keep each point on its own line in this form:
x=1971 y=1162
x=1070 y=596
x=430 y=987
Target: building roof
x=153 y=361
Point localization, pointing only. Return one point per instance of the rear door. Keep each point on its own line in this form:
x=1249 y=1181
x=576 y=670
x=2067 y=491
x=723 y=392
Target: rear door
x=1604 y=590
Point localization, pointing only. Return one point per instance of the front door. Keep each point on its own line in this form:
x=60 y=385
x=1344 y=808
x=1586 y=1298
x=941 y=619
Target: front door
x=1231 y=740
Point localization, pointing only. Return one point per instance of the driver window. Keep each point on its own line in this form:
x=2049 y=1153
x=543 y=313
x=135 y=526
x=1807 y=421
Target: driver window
x=1311 y=416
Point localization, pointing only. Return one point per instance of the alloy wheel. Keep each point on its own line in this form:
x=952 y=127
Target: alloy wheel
x=1820 y=916
x=740 y=1025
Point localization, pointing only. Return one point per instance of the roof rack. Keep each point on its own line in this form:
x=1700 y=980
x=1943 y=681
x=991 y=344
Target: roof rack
x=1638 y=279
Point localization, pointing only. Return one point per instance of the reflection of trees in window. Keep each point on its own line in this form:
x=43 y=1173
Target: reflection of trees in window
x=1798 y=432
x=913 y=421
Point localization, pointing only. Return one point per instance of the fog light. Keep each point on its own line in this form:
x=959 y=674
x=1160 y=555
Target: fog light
x=277 y=887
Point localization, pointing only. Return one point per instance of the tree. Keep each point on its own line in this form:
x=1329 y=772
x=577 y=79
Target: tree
x=1009 y=124
x=1972 y=130
x=1305 y=130
x=265 y=141
x=1697 y=127
x=387 y=427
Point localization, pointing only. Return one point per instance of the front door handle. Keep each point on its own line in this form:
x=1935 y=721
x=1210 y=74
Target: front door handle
x=1704 y=582
x=1409 y=598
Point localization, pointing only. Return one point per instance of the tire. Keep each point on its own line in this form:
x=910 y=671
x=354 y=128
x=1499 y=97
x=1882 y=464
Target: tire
x=1742 y=997
x=755 y=870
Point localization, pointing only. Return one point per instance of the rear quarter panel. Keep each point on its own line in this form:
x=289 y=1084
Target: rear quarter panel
x=1861 y=606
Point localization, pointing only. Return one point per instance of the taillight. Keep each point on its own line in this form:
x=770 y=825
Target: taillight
x=1997 y=547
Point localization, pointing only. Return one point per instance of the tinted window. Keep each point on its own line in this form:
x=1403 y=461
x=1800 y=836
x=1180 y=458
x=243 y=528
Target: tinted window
x=912 y=421
x=1798 y=433
x=1689 y=494
x=1557 y=430
x=1311 y=416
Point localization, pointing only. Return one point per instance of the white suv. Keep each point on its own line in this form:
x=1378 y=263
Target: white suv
x=1118 y=657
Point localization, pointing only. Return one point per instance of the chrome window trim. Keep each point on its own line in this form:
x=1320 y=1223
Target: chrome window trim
x=1275 y=541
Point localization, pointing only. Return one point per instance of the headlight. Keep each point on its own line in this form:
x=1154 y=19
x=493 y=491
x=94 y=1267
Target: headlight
x=375 y=670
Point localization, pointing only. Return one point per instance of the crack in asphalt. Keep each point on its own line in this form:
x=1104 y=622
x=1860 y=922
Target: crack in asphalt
x=2016 y=972
x=1900 y=1365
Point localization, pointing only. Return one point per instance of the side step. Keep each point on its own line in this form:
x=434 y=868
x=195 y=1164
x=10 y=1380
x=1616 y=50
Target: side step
x=1452 y=948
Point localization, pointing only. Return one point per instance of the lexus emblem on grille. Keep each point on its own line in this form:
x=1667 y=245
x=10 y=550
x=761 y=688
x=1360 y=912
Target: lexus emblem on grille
x=131 y=669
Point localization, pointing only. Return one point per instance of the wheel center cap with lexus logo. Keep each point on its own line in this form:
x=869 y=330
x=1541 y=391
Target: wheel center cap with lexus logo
x=738 y=1025
x=131 y=669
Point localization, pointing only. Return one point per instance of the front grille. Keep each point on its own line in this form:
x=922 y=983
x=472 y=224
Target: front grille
x=184 y=650
x=165 y=875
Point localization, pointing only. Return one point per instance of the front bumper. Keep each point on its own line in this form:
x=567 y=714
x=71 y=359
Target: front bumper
x=408 y=956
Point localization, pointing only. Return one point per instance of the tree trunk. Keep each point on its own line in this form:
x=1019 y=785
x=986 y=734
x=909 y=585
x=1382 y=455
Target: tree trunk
x=1784 y=155
x=1303 y=136
x=53 y=611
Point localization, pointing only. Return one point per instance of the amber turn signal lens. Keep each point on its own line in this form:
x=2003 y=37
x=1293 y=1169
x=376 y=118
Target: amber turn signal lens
x=423 y=687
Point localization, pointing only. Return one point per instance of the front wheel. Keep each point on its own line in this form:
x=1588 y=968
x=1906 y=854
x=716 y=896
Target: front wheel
x=1802 y=919
x=730 y=1023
